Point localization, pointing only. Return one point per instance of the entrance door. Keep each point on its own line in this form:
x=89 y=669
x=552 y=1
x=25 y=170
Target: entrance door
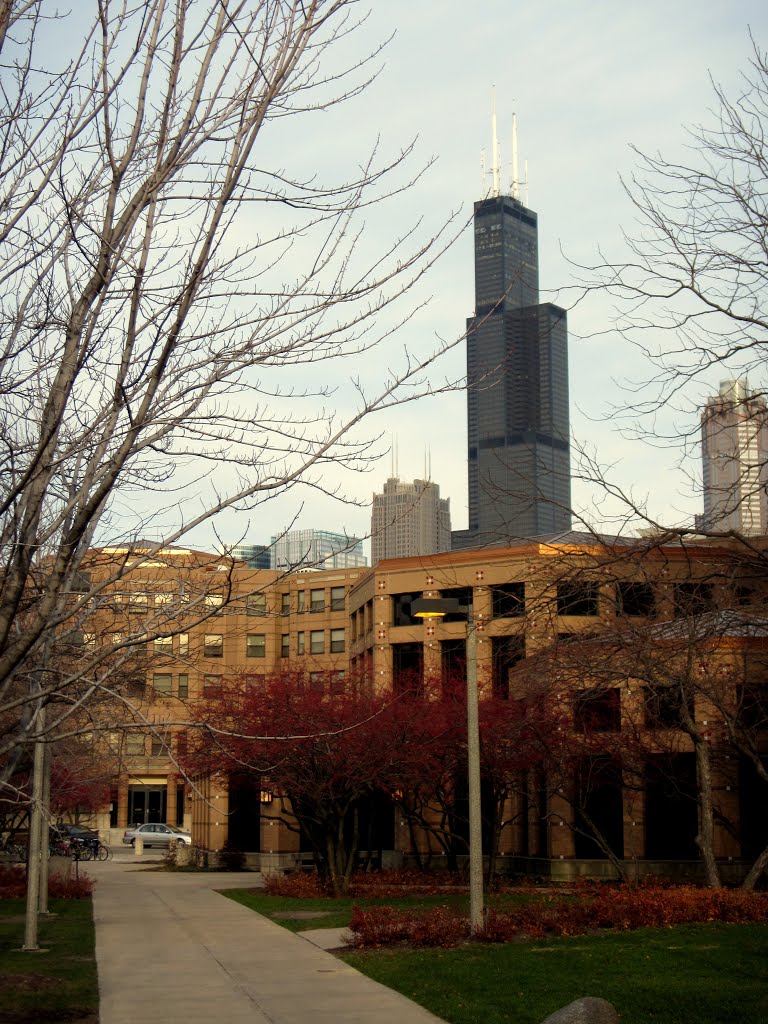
x=146 y=803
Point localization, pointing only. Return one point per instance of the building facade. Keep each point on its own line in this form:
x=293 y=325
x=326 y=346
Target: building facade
x=316 y=549
x=734 y=440
x=255 y=556
x=409 y=519
x=517 y=395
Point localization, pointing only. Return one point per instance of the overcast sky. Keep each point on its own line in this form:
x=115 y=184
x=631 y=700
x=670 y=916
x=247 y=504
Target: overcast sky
x=587 y=81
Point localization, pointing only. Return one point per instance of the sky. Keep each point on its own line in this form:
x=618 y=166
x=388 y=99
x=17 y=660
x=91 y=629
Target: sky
x=587 y=81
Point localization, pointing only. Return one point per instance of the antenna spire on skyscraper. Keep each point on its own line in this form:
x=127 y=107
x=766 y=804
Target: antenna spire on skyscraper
x=495 y=169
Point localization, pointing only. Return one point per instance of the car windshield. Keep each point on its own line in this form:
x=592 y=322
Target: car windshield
x=173 y=828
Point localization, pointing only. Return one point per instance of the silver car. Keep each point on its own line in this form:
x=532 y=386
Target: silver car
x=156 y=834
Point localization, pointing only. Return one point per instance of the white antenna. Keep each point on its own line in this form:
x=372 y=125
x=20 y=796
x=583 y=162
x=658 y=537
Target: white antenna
x=515 y=177
x=483 y=172
x=494 y=150
x=526 y=182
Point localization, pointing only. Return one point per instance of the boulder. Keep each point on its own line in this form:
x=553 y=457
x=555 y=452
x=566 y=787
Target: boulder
x=587 y=1010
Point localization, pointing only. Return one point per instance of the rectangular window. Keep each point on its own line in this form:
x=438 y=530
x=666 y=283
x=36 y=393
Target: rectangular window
x=182 y=743
x=211 y=686
x=213 y=645
x=317 y=600
x=166 y=597
x=89 y=639
x=317 y=682
x=256 y=645
x=162 y=646
x=300 y=642
x=337 y=599
x=577 y=598
x=285 y=604
x=285 y=645
x=301 y=601
x=256 y=604
x=336 y=681
x=508 y=600
x=183 y=645
x=135 y=744
x=693 y=598
x=163 y=683
x=337 y=641
x=598 y=710
x=635 y=599
x=158 y=745
x=214 y=600
x=138 y=604
x=183 y=685
x=664 y=707
x=317 y=642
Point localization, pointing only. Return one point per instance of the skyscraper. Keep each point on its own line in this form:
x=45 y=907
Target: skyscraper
x=734 y=440
x=517 y=367
x=409 y=519
x=316 y=549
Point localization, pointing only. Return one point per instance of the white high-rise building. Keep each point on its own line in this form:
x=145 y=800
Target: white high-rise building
x=409 y=519
x=734 y=437
x=316 y=549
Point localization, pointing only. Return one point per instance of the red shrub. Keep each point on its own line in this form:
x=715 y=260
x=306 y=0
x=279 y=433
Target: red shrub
x=298 y=884
x=385 y=926
x=13 y=884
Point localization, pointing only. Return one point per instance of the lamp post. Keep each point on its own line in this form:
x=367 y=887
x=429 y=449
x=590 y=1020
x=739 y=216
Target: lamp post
x=438 y=608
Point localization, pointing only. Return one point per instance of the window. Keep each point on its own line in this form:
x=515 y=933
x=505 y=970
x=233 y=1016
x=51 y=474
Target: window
x=285 y=645
x=300 y=642
x=316 y=682
x=182 y=743
x=317 y=600
x=317 y=642
x=213 y=600
x=158 y=745
x=635 y=599
x=598 y=710
x=256 y=604
x=135 y=744
x=508 y=600
x=211 y=686
x=693 y=598
x=301 y=601
x=577 y=599
x=337 y=599
x=183 y=685
x=285 y=604
x=213 y=645
x=162 y=683
x=183 y=645
x=166 y=597
x=664 y=706
x=336 y=681
x=89 y=639
x=753 y=706
x=337 y=641
x=138 y=604
x=162 y=646
x=256 y=645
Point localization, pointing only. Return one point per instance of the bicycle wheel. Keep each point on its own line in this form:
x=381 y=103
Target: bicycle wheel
x=85 y=852
x=104 y=852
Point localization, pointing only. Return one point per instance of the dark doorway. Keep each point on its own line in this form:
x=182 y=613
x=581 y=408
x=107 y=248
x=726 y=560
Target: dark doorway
x=146 y=804
x=753 y=809
x=244 y=812
x=671 y=811
x=407 y=670
x=599 y=808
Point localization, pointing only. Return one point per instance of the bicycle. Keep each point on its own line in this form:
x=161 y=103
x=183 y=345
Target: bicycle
x=15 y=853
x=103 y=852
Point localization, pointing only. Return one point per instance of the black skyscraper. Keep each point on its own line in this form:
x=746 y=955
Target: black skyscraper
x=517 y=399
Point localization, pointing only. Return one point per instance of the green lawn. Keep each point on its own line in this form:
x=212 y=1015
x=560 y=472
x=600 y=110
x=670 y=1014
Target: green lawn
x=708 y=973
x=58 y=984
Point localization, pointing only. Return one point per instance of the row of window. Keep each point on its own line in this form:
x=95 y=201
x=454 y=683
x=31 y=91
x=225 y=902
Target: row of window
x=314 y=601
x=665 y=707
x=256 y=643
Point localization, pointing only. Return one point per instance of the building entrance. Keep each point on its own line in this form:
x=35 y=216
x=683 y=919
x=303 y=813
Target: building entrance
x=146 y=803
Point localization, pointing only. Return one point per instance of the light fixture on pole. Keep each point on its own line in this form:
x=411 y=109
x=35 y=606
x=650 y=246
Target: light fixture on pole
x=438 y=608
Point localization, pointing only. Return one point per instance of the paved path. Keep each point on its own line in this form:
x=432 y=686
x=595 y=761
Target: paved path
x=170 y=948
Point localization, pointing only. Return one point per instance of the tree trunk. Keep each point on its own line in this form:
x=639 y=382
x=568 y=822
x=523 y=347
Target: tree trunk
x=706 y=836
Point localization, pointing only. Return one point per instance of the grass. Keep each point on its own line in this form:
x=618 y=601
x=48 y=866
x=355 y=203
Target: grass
x=710 y=973
x=59 y=984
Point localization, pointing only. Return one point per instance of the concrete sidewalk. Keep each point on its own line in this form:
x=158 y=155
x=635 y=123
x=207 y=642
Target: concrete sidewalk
x=170 y=948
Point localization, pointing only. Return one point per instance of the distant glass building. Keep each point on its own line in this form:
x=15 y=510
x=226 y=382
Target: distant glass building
x=409 y=519
x=316 y=549
x=519 y=474
x=257 y=556
x=734 y=441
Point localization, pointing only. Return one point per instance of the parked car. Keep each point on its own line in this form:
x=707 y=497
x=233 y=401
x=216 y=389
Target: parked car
x=63 y=834
x=156 y=834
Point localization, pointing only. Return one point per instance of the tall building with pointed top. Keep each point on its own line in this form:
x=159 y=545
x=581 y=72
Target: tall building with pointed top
x=734 y=440
x=519 y=476
x=409 y=519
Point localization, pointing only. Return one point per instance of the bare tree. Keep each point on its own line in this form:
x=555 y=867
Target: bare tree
x=169 y=285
